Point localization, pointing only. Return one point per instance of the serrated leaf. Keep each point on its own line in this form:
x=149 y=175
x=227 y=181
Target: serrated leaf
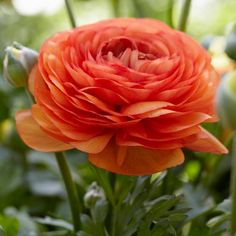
x=224 y=206
x=177 y=217
x=161 y=218
x=82 y=233
x=123 y=186
x=26 y=224
x=198 y=200
x=160 y=206
x=141 y=184
x=54 y=222
x=91 y=228
x=217 y=220
x=221 y=223
x=43 y=183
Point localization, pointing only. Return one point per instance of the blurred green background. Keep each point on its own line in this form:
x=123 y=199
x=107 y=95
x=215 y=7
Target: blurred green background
x=29 y=181
x=31 y=21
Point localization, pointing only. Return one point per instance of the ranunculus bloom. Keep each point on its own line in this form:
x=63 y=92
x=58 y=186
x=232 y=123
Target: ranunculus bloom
x=129 y=92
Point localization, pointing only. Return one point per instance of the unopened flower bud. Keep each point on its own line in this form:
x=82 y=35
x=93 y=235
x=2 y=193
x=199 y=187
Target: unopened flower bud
x=93 y=194
x=18 y=63
x=207 y=40
x=226 y=100
x=230 y=46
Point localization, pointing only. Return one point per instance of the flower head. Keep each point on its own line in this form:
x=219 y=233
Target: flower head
x=129 y=92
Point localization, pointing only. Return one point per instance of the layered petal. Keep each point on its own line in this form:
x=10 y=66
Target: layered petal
x=206 y=142
x=135 y=160
x=34 y=136
x=93 y=145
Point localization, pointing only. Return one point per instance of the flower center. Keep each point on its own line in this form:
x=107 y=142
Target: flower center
x=126 y=52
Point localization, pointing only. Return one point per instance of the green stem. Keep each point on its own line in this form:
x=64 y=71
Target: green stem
x=114 y=219
x=170 y=13
x=184 y=15
x=139 y=11
x=70 y=188
x=233 y=187
x=115 y=6
x=30 y=96
x=70 y=13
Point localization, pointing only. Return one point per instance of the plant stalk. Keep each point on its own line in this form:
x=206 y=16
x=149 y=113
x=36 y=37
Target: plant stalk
x=184 y=15
x=233 y=187
x=70 y=189
x=115 y=6
x=170 y=13
x=70 y=13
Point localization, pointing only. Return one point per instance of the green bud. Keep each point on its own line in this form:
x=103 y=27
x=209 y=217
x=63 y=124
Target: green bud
x=230 y=46
x=207 y=40
x=93 y=194
x=18 y=63
x=226 y=101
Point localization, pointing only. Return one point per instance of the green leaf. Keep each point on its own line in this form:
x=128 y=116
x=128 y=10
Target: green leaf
x=225 y=206
x=221 y=223
x=123 y=186
x=9 y=226
x=11 y=180
x=44 y=183
x=164 y=216
x=82 y=233
x=141 y=185
x=198 y=200
x=26 y=224
x=54 y=222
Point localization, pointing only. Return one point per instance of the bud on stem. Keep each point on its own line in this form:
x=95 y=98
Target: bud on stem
x=226 y=101
x=18 y=63
x=230 y=47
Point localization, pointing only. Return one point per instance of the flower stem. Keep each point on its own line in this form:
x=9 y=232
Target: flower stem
x=115 y=6
x=114 y=219
x=184 y=15
x=170 y=13
x=233 y=187
x=70 y=13
x=70 y=188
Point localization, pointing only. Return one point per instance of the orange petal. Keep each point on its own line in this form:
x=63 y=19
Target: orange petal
x=34 y=137
x=34 y=73
x=93 y=145
x=137 y=161
x=142 y=107
x=206 y=142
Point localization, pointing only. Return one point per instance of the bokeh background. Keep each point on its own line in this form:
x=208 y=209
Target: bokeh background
x=30 y=183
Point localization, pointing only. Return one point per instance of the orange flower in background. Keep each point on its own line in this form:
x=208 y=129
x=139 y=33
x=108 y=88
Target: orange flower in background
x=129 y=92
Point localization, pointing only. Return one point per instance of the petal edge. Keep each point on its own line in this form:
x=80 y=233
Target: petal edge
x=138 y=160
x=35 y=137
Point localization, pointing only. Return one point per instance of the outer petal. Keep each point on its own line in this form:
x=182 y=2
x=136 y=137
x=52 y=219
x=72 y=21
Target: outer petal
x=135 y=160
x=93 y=145
x=34 y=137
x=206 y=142
x=34 y=73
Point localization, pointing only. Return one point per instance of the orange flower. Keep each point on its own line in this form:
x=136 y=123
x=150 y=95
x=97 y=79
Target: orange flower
x=129 y=92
